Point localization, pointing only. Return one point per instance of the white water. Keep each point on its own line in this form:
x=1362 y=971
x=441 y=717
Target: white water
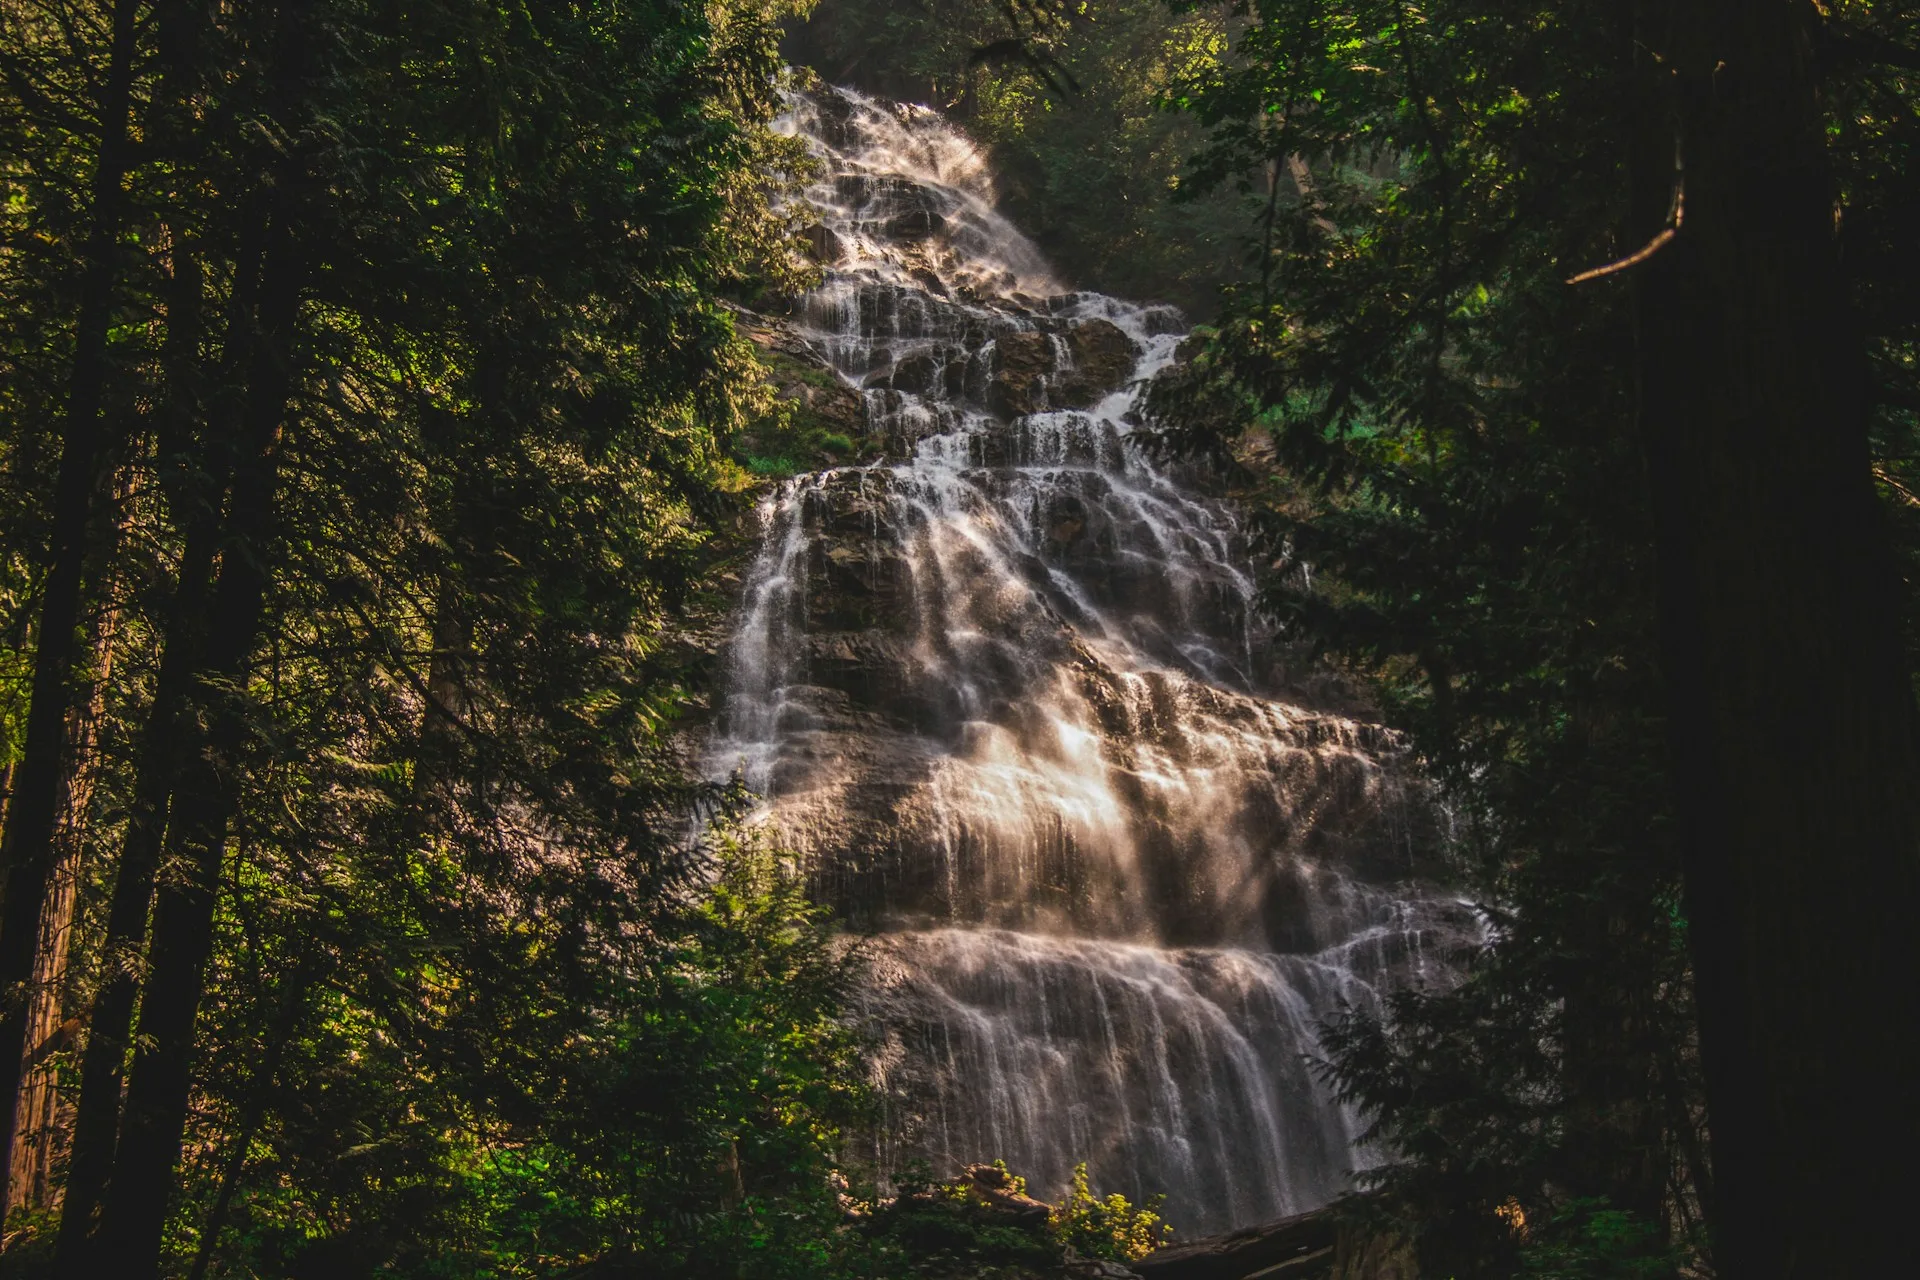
x=1008 y=690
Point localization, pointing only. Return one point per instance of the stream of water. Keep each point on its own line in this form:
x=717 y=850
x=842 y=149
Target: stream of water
x=1007 y=690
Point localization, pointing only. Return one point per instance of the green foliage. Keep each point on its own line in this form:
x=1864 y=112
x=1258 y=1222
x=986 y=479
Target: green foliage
x=1589 y=1240
x=1436 y=437
x=936 y=1229
x=689 y=1120
x=16 y=676
x=1108 y=1227
x=788 y=434
x=1433 y=434
x=472 y=1006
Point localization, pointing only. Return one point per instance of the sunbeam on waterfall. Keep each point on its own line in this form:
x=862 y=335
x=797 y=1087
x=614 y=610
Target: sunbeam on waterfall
x=1008 y=691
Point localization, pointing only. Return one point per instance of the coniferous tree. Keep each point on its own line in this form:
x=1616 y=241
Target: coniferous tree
x=1467 y=333
x=426 y=410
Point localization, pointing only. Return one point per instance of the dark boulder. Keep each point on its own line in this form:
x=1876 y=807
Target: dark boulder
x=914 y=226
x=1082 y=1268
x=823 y=245
x=1021 y=363
x=1103 y=360
x=919 y=373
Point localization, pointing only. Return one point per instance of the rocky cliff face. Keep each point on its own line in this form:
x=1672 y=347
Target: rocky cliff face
x=1005 y=686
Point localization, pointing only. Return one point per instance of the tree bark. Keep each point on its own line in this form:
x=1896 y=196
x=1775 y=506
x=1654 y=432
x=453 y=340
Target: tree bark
x=206 y=795
x=27 y=850
x=97 y=1116
x=1792 y=717
x=196 y=492
x=36 y=1114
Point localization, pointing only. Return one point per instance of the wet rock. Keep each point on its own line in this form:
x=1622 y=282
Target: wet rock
x=927 y=279
x=1103 y=351
x=1103 y=360
x=917 y=373
x=1068 y=520
x=823 y=245
x=1163 y=320
x=1095 y=1268
x=898 y=209
x=914 y=225
x=835 y=124
x=1021 y=363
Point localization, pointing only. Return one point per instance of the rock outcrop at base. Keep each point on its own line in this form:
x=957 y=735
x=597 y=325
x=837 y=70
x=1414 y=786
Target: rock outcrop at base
x=1294 y=1248
x=1306 y=1246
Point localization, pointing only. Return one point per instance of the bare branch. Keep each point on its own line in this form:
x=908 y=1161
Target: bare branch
x=1676 y=215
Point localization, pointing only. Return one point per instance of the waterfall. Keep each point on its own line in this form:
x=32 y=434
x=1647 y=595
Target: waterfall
x=1007 y=691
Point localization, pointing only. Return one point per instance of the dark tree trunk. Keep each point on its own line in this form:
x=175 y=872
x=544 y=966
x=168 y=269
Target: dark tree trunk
x=97 y=1118
x=27 y=848
x=206 y=794
x=1793 y=721
x=197 y=492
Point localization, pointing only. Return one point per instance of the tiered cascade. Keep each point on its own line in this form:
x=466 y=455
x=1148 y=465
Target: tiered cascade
x=1007 y=690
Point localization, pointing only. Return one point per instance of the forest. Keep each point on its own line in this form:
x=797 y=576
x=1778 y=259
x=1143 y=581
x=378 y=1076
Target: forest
x=959 y=639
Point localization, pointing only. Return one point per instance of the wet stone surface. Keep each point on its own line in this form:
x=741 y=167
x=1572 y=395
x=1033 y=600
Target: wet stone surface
x=1007 y=689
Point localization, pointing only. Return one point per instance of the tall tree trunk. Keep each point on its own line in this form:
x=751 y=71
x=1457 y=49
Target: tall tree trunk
x=1793 y=722
x=196 y=491
x=36 y=1115
x=27 y=849
x=97 y=1115
x=205 y=797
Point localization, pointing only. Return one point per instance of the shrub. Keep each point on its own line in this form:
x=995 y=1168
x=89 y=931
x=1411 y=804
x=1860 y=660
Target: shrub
x=1108 y=1227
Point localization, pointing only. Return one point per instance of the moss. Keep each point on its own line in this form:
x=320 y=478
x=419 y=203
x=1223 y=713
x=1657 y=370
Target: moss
x=793 y=434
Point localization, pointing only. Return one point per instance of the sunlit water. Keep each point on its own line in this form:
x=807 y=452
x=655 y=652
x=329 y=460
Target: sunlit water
x=1008 y=691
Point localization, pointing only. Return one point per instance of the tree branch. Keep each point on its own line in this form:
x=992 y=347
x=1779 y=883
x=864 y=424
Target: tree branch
x=1676 y=215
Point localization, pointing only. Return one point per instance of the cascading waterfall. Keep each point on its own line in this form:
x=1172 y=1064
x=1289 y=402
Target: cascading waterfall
x=1008 y=692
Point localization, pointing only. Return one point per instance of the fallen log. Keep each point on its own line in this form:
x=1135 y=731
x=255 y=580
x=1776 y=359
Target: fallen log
x=1291 y=1249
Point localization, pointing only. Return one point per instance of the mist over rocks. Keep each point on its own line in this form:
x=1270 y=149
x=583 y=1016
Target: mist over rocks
x=1006 y=687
